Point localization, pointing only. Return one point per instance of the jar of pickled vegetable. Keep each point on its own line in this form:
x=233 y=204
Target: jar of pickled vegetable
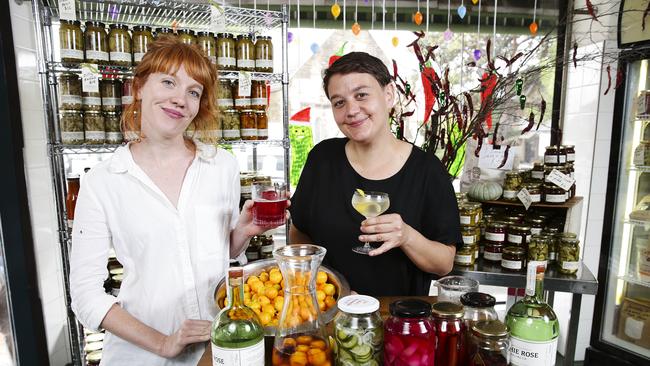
x=258 y=94
x=555 y=245
x=71 y=41
x=450 y=333
x=492 y=251
x=468 y=214
x=187 y=36
x=242 y=102
x=538 y=171
x=247 y=125
x=518 y=234
x=111 y=91
x=113 y=130
x=224 y=95
x=466 y=255
x=72 y=127
x=262 y=125
x=534 y=191
x=538 y=248
x=553 y=155
x=141 y=41
x=568 y=258
x=94 y=128
x=411 y=327
x=226 y=51
x=231 y=125
x=119 y=45
x=127 y=91
x=554 y=194
x=263 y=54
x=513 y=258
x=469 y=234
x=536 y=226
x=92 y=101
x=96 y=43
x=495 y=232
x=245 y=53
x=164 y=31
x=69 y=92
x=208 y=44
x=511 y=186
x=490 y=343
x=358 y=331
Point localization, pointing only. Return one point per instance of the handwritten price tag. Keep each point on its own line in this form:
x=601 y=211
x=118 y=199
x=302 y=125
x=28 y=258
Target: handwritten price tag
x=217 y=18
x=491 y=158
x=89 y=78
x=524 y=197
x=67 y=9
x=244 y=84
x=561 y=180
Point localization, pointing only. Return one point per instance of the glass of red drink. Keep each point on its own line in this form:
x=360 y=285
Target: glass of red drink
x=270 y=203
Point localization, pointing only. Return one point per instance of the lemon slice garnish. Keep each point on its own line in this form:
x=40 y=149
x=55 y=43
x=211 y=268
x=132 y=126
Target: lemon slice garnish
x=361 y=192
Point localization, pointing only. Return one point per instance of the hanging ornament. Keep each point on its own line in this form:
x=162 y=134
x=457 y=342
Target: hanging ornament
x=462 y=10
x=407 y=89
x=533 y=26
x=522 y=102
x=336 y=10
x=519 y=84
x=395 y=41
x=448 y=35
x=477 y=54
x=356 y=28
x=314 y=47
x=477 y=51
x=475 y=2
x=289 y=37
x=417 y=18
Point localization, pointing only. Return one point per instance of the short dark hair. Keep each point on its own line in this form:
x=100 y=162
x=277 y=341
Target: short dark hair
x=357 y=62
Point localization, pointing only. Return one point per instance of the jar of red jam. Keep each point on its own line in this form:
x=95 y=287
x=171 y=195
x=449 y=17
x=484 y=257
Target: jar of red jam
x=450 y=334
x=496 y=232
x=492 y=251
x=409 y=327
x=538 y=171
x=518 y=235
x=570 y=153
x=536 y=225
x=513 y=258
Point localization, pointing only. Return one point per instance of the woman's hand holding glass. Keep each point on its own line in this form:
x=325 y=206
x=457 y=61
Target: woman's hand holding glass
x=247 y=223
x=389 y=229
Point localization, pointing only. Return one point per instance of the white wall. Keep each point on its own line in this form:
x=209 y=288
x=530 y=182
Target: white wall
x=39 y=185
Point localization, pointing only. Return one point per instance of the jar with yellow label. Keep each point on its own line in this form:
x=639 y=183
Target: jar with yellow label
x=245 y=53
x=226 y=51
x=258 y=95
x=119 y=45
x=263 y=54
x=262 y=125
x=71 y=41
x=140 y=42
x=224 y=94
x=96 y=43
x=187 y=36
x=511 y=186
x=208 y=44
x=231 y=125
x=466 y=255
x=94 y=128
x=247 y=125
x=72 y=127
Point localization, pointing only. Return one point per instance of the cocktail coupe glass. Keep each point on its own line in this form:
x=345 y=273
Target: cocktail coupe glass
x=369 y=204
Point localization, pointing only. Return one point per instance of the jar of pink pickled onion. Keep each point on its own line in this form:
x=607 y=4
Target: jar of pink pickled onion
x=409 y=334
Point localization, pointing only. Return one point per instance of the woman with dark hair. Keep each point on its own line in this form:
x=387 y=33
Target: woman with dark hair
x=168 y=205
x=419 y=232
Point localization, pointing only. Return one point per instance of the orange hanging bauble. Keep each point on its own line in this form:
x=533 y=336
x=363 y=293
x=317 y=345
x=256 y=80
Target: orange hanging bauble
x=417 y=18
x=356 y=28
x=533 y=28
x=336 y=10
x=395 y=41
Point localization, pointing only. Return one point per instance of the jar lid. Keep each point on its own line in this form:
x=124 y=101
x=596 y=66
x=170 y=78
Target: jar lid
x=570 y=241
x=552 y=229
x=247 y=111
x=232 y=111
x=117 y=26
x=520 y=227
x=88 y=113
x=512 y=173
x=116 y=271
x=93 y=23
x=358 y=304
x=446 y=309
x=94 y=356
x=95 y=337
x=567 y=235
x=141 y=28
x=552 y=147
x=411 y=308
x=513 y=250
x=569 y=146
x=537 y=220
x=473 y=204
x=478 y=300
x=112 y=114
x=532 y=185
x=497 y=224
x=69 y=111
x=164 y=30
x=243 y=36
x=542 y=237
x=260 y=112
x=490 y=328
x=75 y=22
x=117 y=277
x=205 y=34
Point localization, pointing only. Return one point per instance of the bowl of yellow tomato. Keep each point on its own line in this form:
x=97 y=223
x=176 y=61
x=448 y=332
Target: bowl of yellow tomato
x=264 y=293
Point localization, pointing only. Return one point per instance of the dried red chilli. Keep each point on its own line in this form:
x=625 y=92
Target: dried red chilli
x=609 y=79
x=575 y=54
x=505 y=157
x=468 y=98
x=620 y=76
x=542 y=110
x=591 y=10
x=531 y=123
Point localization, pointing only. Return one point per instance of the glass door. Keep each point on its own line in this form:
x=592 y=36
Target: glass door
x=626 y=302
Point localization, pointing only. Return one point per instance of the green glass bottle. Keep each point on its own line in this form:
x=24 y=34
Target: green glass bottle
x=237 y=334
x=534 y=328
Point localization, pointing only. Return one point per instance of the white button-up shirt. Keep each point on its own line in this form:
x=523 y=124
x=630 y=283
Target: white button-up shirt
x=173 y=257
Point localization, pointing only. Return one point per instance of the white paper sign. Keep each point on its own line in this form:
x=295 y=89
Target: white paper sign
x=524 y=197
x=89 y=78
x=560 y=179
x=67 y=9
x=491 y=158
x=217 y=18
x=244 y=84
x=639 y=156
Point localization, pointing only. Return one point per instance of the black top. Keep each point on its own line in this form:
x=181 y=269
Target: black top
x=421 y=192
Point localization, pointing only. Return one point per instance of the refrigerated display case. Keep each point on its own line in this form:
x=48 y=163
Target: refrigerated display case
x=621 y=323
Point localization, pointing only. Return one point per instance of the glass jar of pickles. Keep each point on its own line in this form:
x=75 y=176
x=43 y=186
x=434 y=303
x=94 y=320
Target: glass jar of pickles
x=568 y=258
x=165 y=31
x=358 y=331
x=538 y=248
x=490 y=344
x=513 y=258
x=230 y=125
x=468 y=214
x=518 y=234
x=224 y=94
x=119 y=45
x=113 y=130
x=111 y=91
x=96 y=44
x=554 y=194
x=469 y=234
x=258 y=94
x=495 y=232
x=478 y=306
x=69 y=91
x=245 y=53
x=187 y=36
x=511 y=186
x=72 y=127
x=409 y=326
x=92 y=101
x=94 y=128
x=208 y=44
x=554 y=247
x=242 y=101
x=71 y=41
x=226 y=51
x=466 y=255
x=142 y=38
x=247 y=125
x=263 y=54
x=492 y=251
x=127 y=91
x=262 y=125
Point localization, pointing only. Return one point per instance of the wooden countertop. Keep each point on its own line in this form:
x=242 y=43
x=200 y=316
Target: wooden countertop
x=206 y=360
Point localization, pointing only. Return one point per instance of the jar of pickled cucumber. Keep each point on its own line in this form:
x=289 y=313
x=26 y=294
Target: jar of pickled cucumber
x=245 y=53
x=511 y=186
x=113 y=130
x=468 y=214
x=230 y=125
x=187 y=36
x=466 y=255
x=69 y=91
x=224 y=94
x=538 y=248
x=208 y=44
x=119 y=45
x=554 y=247
x=94 y=128
x=96 y=43
x=358 y=323
x=258 y=95
x=141 y=41
x=71 y=41
x=72 y=127
x=568 y=258
x=262 y=125
x=247 y=125
x=226 y=51
x=263 y=54
x=111 y=91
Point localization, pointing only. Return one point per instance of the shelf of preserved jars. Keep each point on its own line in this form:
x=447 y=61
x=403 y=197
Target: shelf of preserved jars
x=65 y=149
x=568 y=204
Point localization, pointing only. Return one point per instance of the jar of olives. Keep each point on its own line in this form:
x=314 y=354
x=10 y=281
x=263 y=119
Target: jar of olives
x=119 y=45
x=242 y=102
x=258 y=94
x=69 y=91
x=111 y=91
x=224 y=94
x=96 y=43
x=72 y=127
x=492 y=251
x=230 y=125
x=226 y=52
x=142 y=40
x=511 y=186
x=94 y=128
x=113 y=130
x=262 y=125
x=71 y=41
x=263 y=54
x=247 y=125
x=208 y=44
x=187 y=36
x=568 y=255
x=466 y=255
x=495 y=232
x=245 y=53
x=538 y=248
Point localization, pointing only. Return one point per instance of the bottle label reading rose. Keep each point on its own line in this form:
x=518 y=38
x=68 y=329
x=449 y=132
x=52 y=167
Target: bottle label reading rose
x=249 y=356
x=531 y=353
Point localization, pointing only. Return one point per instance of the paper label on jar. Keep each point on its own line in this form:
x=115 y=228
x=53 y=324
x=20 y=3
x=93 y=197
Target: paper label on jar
x=127 y=99
x=68 y=137
x=535 y=198
x=70 y=99
x=95 y=135
x=463 y=259
x=556 y=198
x=495 y=257
x=67 y=9
x=247 y=189
x=532 y=353
x=537 y=174
x=231 y=133
x=137 y=56
x=242 y=102
x=243 y=63
x=92 y=101
x=570 y=157
x=468 y=239
x=248 y=132
x=561 y=180
x=224 y=102
x=517 y=239
x=263 y=64
x=89 y=78
x=96 y=55
x=262 y=132
x=120 y=56
x=570 y=266
x=71 y=53
x=114 y=137
x=535 y=230
x=509 y=194
x=112 y=101
x=498 y=237
x=226 y=61
x=551 y=159
x=249 y=356
x=465 y=220
x=510 y=264
x=258 y=101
